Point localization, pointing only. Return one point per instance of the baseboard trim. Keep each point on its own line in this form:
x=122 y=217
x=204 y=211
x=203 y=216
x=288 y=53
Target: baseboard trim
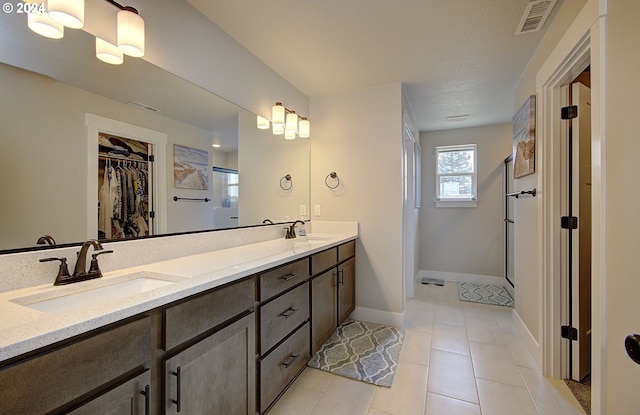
x=459 y=277
x=370 y=315
x=529 y=340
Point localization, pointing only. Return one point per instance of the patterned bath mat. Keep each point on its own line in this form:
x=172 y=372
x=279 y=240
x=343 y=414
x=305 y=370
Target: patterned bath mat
x=484 y=293
x=363 y=351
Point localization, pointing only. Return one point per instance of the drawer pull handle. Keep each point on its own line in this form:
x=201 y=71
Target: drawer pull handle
x=145 y=393
x=177 y=400
x=289 y=277
x=289 y=312
x=292 y=359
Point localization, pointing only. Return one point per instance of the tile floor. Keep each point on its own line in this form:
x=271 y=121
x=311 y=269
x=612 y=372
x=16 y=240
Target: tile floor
x=458 y=358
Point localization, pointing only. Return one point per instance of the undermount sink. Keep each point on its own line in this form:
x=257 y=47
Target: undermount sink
x=70 y=298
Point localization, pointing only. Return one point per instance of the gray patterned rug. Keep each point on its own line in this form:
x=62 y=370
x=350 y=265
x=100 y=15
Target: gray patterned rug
x=363 y=351
x=484 y=293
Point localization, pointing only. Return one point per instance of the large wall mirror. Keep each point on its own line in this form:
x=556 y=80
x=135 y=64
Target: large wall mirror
x=47 y=181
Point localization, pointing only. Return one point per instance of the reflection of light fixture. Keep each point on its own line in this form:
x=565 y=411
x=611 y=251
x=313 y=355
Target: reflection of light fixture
x=285 y=121
x=263 y=123
x=277 y=115
x=70 y=13
x=130 y=32
x=67 y=12
x=215 y=145
x=108 y=53
x=44 y=25
x=304 y=128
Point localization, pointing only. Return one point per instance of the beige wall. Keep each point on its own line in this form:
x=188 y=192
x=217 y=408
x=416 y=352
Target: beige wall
x=466 y=240
x=43 y=158
x=527 y=211
x=359 y=136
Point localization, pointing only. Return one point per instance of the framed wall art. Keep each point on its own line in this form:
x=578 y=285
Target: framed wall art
x=524 y=139
x=190 y=168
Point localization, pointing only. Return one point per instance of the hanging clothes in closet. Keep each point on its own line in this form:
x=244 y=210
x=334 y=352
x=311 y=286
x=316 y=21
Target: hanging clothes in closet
x=124 y=188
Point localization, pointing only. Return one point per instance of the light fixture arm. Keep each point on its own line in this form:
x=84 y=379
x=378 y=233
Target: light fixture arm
x=121 y=7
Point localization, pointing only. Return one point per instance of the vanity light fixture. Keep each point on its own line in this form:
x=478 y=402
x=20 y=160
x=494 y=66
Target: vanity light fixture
x=44 y=25
x=108 y=53
x=50 y=22
x=263 y=123
x=285 y=121
x=69 y=13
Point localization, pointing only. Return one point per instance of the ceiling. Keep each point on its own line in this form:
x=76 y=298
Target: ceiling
x=453 y=57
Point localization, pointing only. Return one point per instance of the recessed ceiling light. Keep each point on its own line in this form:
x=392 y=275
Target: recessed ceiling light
x=215 y=145
x=454 y=118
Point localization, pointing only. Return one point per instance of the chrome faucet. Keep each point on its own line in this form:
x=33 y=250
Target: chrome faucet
x=291 y=231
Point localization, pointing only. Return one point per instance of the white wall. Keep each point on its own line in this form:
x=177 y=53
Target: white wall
x=466 y=240
x=359 y=136
x=621 y=284
x=527 y=211
x=184 y=42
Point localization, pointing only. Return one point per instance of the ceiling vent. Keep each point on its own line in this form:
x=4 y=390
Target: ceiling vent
x=143 y=106
x=534 y=16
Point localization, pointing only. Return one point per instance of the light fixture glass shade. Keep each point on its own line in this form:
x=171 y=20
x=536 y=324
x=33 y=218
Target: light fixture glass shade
x=277 y=115
x=108 y=53
x=263 y=123
x=67 y=12
x=278 y=129
x=304 y=128
x=292 y=122
x=130 y=33
x=289 y=135
x=44 y=25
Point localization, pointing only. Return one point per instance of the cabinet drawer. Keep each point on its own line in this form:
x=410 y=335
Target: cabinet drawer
x=282 y=365
x=49 y=381
x=278 y=280
x=323 y=260
x=131 y=397
x=186 y=320
x=282 y=315
x=346 y=250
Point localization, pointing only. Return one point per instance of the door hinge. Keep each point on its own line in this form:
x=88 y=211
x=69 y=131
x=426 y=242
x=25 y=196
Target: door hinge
x=569 y=222
x=568 y=332
x=568 y=113
x=152 y=158
x=152 y=214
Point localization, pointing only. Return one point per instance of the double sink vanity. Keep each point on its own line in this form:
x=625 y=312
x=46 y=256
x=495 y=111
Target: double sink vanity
x=219 y=332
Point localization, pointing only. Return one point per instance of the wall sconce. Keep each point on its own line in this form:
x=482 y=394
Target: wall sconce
x=70 y=13
x=285 y=121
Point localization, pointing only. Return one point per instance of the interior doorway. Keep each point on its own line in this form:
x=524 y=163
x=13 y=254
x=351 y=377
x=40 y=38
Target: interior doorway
x=576 y=223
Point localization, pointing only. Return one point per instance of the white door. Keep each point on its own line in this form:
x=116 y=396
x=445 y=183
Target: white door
x=581 y=245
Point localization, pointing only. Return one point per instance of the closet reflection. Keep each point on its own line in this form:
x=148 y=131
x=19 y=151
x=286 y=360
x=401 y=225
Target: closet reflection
x=125 y=183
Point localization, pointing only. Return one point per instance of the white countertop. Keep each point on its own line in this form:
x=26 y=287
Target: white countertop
x=23 y=329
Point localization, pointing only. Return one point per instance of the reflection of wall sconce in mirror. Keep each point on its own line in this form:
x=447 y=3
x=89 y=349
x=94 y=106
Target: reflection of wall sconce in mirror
x=285 y=122
x=286 y=183
x=334 y=179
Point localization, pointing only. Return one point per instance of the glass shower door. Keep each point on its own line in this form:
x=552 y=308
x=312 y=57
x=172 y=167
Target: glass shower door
x=508 y=221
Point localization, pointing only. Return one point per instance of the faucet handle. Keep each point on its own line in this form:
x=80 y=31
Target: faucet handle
x=63 y=276
x=94 y=268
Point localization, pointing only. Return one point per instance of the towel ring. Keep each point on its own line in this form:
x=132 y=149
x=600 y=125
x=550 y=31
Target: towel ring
x=284 y=180
x=332 y=175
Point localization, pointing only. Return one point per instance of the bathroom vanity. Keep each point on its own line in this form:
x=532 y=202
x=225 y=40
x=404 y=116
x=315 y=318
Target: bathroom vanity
x=222 y=332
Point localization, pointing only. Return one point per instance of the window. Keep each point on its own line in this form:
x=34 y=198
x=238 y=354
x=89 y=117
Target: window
x=456 y=176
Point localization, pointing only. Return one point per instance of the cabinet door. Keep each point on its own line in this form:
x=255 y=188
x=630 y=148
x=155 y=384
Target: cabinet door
x=216 y=375
x=346 y=289
x=129 y=398
x=323 y=308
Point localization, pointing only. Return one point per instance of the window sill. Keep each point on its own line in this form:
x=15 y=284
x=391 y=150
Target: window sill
x=464 y=203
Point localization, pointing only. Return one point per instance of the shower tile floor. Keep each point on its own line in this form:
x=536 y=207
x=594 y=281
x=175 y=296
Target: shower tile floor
x=458 y=358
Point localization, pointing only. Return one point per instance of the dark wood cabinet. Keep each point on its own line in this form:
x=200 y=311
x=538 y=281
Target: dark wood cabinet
x=346 y=289
x=324 y=297
x=133 y=397
x=215 y=375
